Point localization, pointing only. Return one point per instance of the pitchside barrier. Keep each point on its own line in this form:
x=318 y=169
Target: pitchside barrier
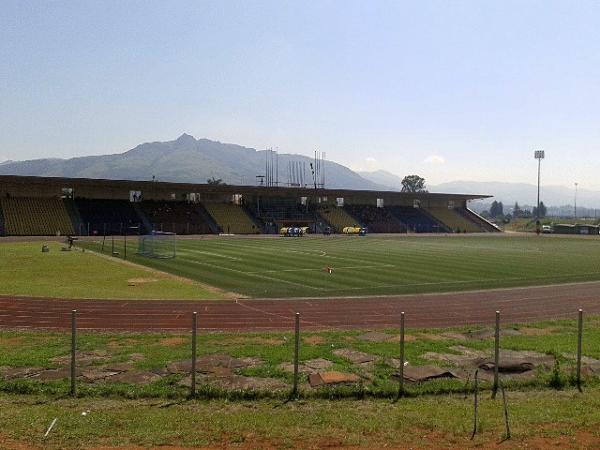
x=295 y=392
x=99 y=229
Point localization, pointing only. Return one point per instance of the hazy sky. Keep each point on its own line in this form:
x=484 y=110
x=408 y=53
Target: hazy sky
x=445 y=89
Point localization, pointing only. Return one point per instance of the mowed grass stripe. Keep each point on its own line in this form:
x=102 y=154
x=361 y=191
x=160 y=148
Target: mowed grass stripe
x=451 y=272
x=373 y=265
x=424 y=260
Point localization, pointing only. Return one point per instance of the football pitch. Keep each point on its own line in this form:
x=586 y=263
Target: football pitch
x=378 y=265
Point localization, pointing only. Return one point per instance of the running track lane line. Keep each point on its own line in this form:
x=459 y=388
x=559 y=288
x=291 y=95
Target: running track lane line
x=424 y=310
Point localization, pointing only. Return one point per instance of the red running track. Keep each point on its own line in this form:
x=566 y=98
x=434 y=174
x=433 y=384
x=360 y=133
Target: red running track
x=425 y=310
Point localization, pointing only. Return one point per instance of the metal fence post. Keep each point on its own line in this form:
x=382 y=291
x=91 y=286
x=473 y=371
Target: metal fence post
x=73 y=351
x=579 y=345
x=496 y=354
x=194 y=331
x=401 y=373
x=296 y=354
x=475 y=405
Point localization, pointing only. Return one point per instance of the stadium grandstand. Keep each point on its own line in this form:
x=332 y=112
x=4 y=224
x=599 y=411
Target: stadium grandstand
x=106 y=216
x=417 y=220
x=338 y=218
x=232 y=218
x=36 y=216
x=456 y=222
x=80 y=206
x=377 y=220
x=175 y=217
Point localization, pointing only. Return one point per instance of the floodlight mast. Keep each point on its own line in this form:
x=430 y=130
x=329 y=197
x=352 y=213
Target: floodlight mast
x=575 y=204
x=539 y=155
x=312 y=169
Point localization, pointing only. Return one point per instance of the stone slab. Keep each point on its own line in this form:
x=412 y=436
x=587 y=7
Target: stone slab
x=355 y=356
x=332 y=378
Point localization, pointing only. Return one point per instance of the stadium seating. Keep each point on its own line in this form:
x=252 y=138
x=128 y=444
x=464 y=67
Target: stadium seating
x=175 y=217
x=454 y=220
x=274 y=212
x=36 y=217
x=110 y=216
x=231 y=218
x=377 y=220
x=2 y=228
x=338 y=218
x=48 y=216
x=416 y=219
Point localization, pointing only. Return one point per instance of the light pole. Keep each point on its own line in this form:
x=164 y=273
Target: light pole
x=575 y=206
x=539 y=155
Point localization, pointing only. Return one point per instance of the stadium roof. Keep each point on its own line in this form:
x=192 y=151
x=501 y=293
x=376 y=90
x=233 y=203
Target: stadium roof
x=145 y=185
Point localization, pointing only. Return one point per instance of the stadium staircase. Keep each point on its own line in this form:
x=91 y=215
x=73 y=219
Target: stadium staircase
x=112 y=216
x=74 y=216
x=36 y=217
x=255 y=220
x=175 y=217
x=145 y=222
x=208 y=220
x=231 y=218
x=338 y=218
x=455 y=221
x=377 y=220
x=417 y=220
x=474 y=217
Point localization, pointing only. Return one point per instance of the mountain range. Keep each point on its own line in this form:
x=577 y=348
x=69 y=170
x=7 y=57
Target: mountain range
x=508 y=193
x=187 y=159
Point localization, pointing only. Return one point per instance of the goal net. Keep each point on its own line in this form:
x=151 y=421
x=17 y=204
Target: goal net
x=158 y=244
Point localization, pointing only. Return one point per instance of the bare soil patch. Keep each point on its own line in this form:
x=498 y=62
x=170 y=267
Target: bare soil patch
x=136 y=281
x=314 y=340
x=172 y=341
x=538 y=331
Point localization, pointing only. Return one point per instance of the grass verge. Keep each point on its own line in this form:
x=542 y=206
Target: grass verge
x=539 y=419
x=26 y=271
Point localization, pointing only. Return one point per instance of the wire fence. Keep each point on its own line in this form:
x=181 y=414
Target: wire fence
x=372 y=359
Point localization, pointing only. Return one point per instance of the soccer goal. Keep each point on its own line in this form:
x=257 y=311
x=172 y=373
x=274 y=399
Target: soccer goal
x=158 y=244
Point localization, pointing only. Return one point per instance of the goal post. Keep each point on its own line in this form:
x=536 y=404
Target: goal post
x=158 y=244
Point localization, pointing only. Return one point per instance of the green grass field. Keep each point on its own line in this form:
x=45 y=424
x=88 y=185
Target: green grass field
x=279 y=267
x=28 y=271
x=380 y=265
x=539 y=420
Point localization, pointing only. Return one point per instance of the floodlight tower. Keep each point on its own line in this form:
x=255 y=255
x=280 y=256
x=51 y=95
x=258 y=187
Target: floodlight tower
x=575 y=206
x=539 y=155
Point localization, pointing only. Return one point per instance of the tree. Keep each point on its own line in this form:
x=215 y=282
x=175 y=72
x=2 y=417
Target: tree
x=494 y=209
x=215 y=181
x=413 y=183
x=517 y=212
x=543 y=210
x=497 y=209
